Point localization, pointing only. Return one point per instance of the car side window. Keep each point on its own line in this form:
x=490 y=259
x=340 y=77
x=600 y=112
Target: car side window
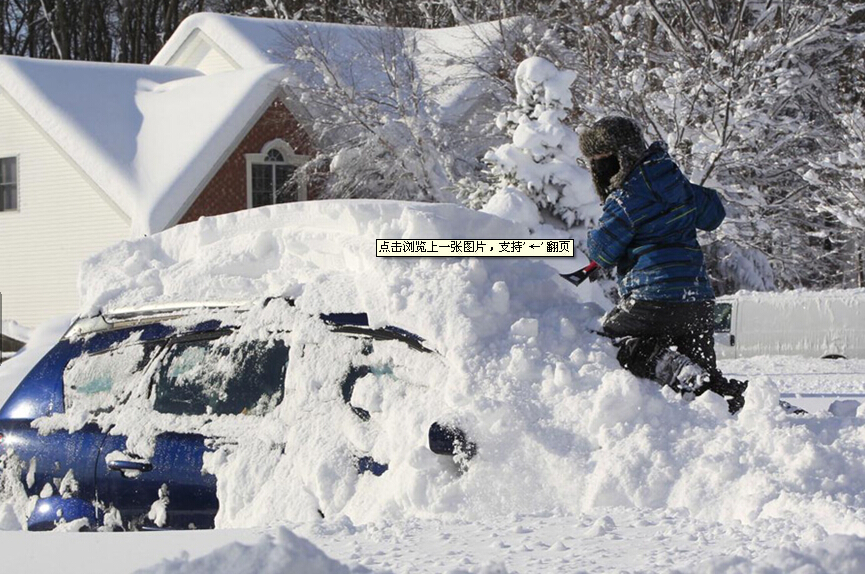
x=104 y=379
x=220 y=376
x=723 y=314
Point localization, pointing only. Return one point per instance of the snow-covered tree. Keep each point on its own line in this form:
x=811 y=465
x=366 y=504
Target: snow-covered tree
x=540 y=159
x=376 y=127
x=838 y=176
x=747 y=95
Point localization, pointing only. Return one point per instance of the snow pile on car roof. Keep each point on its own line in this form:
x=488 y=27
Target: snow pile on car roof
x=323 y=255
x=559 y=426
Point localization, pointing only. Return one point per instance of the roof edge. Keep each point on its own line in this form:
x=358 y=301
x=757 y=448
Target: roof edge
x=226 y=153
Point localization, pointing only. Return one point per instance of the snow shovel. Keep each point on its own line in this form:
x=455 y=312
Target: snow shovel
x=580 y=275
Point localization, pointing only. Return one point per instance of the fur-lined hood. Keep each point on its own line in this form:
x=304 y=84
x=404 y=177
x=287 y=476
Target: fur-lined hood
x=614 y=135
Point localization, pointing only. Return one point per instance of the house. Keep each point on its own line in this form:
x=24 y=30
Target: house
x=93 y=153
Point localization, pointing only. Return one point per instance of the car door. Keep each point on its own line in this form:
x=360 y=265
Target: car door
x=58 y=458
x=58 y=463
x=143 y=490
x=197 y=378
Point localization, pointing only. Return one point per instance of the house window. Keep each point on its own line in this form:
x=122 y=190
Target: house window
x=269 y=175
x=8 y=184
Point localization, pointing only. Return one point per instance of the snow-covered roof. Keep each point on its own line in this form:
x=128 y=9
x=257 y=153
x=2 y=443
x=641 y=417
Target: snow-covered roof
x=447 y=59
x=147 y=136
x=793 y=295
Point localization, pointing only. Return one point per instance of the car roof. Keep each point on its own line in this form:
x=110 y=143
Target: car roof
x=352 y=323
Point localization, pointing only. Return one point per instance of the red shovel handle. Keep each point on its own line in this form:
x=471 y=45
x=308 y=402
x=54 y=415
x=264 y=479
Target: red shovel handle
x=581 y=275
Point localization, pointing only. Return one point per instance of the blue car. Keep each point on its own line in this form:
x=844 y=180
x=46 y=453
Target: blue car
x=184 y=362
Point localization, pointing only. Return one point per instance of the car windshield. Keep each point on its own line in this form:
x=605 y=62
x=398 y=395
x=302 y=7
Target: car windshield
x=216 y=376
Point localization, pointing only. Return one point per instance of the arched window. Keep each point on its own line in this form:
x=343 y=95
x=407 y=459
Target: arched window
x=269 y=175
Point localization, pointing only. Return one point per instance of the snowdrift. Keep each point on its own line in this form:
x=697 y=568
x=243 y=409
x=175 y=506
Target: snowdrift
x=559 y=426
x=281 y=553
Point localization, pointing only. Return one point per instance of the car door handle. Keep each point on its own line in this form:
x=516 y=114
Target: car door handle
x=122 y=465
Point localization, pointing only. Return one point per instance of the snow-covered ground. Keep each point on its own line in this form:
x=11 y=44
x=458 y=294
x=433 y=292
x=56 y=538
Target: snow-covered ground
x=610 y=540
x=581 y=466
x=801 y=375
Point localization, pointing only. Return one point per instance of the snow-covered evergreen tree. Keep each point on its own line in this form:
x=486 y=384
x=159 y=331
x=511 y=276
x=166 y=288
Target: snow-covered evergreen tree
x=540 y=159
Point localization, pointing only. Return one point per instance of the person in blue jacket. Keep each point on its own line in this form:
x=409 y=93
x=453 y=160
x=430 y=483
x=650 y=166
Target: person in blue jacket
x=663 y=323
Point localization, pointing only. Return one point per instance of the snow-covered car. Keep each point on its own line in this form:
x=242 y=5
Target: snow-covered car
x=113 y=428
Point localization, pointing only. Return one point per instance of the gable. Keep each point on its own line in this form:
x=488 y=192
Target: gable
x=61 y=219
x=200 y=53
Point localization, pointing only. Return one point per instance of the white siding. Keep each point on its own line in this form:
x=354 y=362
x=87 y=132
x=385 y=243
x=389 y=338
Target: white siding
x=61 y=220
x=200 y=53
x=213 y=62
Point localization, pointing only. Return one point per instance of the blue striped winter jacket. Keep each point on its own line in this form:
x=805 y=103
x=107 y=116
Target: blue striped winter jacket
x=649 y=232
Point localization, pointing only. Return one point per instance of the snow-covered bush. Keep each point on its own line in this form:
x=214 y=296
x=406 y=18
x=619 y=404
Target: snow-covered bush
x=737 y=268
x=540 y=159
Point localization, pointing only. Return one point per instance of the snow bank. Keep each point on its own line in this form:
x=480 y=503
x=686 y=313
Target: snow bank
x=284 y=552
x=280 y=552
x=559 y=425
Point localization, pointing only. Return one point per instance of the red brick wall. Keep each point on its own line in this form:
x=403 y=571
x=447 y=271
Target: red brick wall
x=226 y=191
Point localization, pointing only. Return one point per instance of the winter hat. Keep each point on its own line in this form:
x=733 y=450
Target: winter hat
x=616 y=135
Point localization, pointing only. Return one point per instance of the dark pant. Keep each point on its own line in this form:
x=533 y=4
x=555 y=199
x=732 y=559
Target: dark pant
x=645 y=329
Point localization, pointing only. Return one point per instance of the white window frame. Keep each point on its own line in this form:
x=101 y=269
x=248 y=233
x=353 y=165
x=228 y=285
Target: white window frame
x=290 y=158
x=17 y=186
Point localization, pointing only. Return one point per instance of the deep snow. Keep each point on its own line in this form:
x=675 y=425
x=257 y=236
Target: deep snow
x=580 y=464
